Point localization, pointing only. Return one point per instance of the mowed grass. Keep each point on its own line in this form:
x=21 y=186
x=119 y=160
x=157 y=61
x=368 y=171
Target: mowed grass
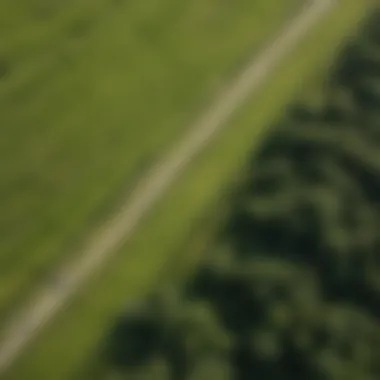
x=91 y=92
x=68 y=347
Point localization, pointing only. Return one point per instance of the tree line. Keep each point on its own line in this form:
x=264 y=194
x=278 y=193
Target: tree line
x=291 y=289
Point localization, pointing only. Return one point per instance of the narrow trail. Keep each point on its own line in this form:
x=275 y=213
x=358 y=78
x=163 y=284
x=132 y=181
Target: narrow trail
x=48 y=300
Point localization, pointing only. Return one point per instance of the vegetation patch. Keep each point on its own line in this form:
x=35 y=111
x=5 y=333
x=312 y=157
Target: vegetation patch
x=291 y=287
x=91 y=91
x=74 y=339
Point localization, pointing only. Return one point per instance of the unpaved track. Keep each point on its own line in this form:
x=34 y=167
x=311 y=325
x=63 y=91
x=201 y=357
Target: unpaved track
x=51 y=298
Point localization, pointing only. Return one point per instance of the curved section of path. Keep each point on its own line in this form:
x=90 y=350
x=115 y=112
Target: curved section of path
x=51 y=298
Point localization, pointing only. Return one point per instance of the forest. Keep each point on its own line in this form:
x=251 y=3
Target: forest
x=291 y=288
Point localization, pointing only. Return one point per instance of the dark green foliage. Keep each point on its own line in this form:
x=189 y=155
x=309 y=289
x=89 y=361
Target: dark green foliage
x=292 y=288
x=166 y=326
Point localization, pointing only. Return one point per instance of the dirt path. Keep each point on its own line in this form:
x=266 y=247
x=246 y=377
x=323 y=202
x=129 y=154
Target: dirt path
x=51 y=298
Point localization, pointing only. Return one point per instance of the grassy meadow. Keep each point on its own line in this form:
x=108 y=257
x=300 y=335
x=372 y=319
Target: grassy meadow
x=91 y=92
x=177 y=230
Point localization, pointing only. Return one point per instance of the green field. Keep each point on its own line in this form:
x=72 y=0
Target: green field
x=91 y=92
x=71 y=342
x=289 y=286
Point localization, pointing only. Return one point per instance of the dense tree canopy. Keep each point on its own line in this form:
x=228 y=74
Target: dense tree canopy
x=291 y=289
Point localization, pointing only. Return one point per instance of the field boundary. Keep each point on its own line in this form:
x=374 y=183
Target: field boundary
x=117 y=230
